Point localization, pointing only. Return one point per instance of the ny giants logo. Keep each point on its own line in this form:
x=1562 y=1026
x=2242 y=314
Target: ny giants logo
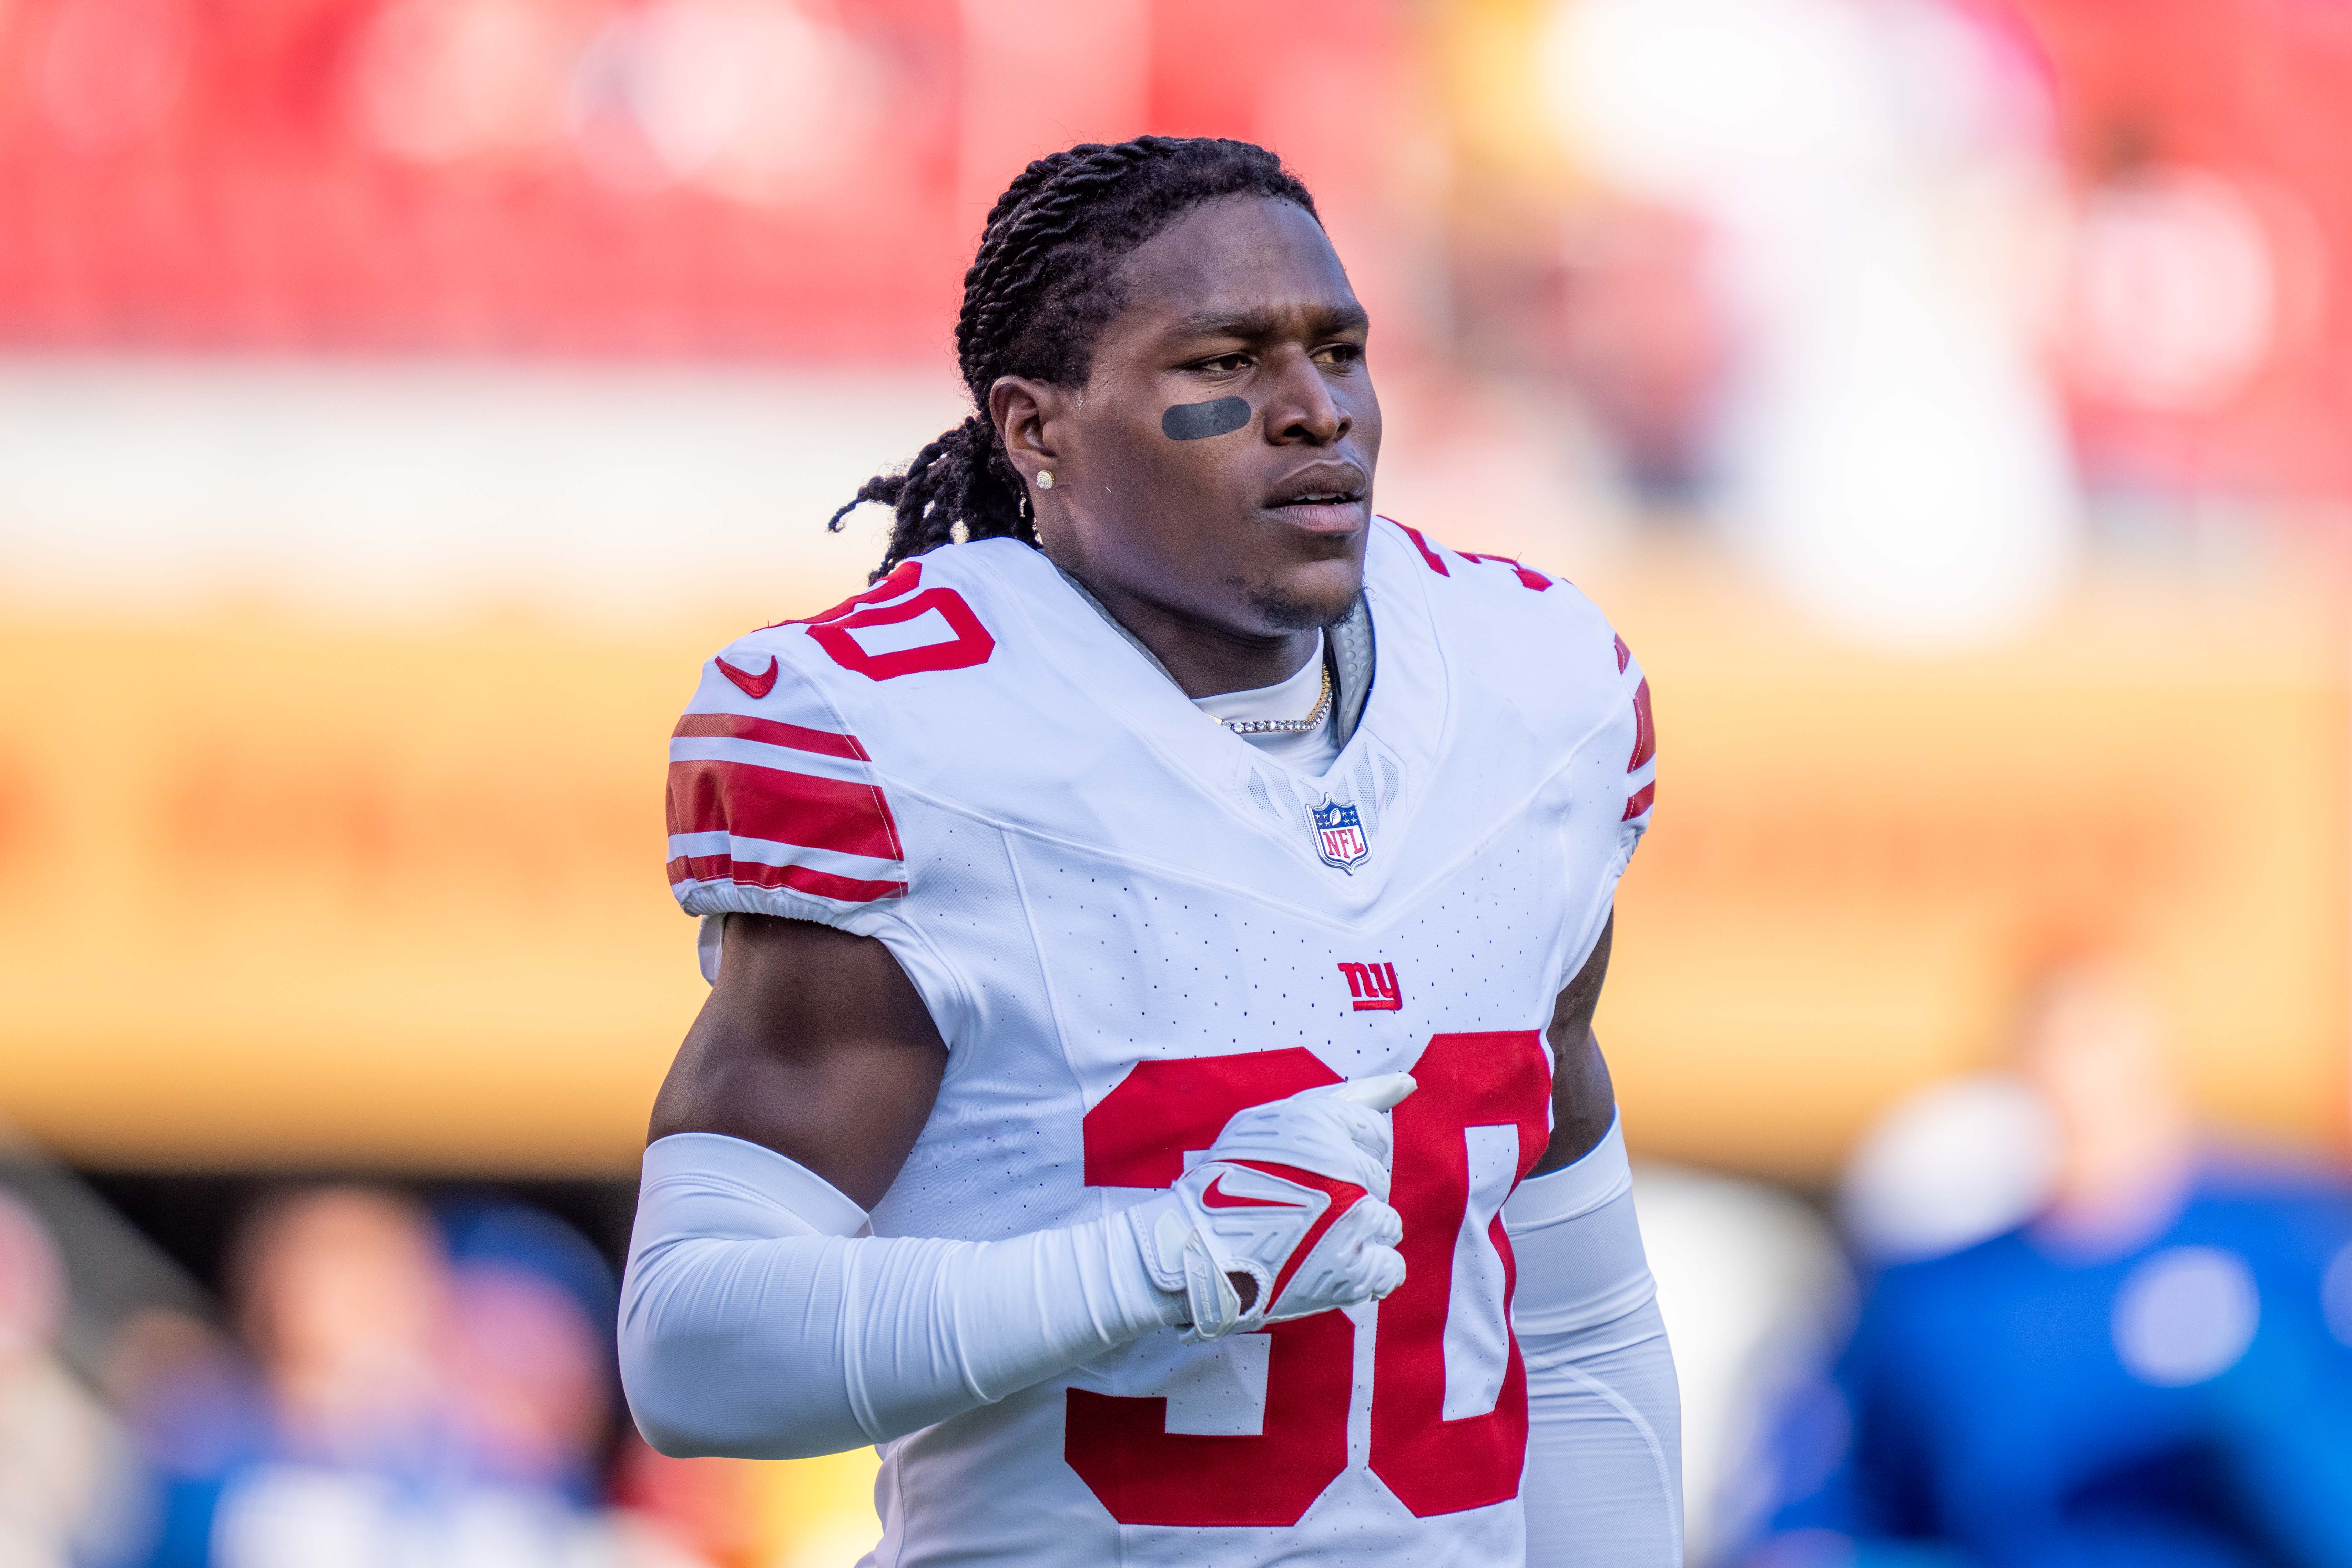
x=1373 y=986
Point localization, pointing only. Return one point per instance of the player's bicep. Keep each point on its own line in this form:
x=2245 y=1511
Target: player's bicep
x=1583 y=1101
x=814 y=1043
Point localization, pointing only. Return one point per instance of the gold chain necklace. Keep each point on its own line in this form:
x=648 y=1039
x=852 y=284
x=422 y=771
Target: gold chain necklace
x=1286 y=726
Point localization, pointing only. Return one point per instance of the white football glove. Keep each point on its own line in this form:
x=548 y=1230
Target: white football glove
x=1294 y=1195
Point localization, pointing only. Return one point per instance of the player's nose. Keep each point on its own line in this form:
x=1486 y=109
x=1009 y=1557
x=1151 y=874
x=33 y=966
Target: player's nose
x=1303 y=410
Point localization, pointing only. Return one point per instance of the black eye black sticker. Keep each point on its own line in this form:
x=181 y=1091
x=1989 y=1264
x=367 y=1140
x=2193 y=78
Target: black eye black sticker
x=1195 y=421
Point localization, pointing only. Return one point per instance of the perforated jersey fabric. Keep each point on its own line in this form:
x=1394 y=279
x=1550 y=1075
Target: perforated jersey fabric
x=1130 y=924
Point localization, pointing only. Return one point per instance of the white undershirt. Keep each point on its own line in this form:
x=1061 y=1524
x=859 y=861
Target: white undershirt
x=1308 y=751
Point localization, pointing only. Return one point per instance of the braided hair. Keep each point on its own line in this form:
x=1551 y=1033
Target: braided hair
x=1042 y=288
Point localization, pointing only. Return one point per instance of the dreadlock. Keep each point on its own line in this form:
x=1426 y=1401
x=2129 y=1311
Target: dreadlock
x=1042 y=288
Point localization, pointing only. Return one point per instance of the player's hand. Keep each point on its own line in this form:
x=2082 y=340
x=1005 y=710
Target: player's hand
x=1291 y=1199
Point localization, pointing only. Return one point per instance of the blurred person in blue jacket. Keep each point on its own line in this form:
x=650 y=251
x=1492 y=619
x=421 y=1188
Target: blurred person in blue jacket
x=196 y=1415
x=415 y=1407
x=2151 y=1372
x=529 y=1351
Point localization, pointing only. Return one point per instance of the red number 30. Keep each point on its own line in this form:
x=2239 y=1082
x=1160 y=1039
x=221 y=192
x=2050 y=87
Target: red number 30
x=969 y=644
x=1138 y=1137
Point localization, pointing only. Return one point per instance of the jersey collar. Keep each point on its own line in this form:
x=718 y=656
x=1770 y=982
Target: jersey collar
x=1348 y=647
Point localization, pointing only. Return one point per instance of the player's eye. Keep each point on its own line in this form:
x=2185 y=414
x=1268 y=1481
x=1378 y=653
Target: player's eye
x=1223 y=364
x=1339 y=354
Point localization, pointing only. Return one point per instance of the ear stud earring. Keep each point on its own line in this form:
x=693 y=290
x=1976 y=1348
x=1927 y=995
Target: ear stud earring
x=1045 y=478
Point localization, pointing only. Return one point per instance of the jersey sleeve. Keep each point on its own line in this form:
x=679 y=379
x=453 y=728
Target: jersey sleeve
x=1616 y=786
x=1642 y=761
x=1532 y=609
x=774 y=807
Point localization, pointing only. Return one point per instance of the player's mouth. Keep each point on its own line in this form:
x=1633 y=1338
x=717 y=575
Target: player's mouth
x=1322 y=498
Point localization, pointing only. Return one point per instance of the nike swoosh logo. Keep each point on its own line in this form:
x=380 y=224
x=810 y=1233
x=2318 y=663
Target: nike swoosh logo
x=1215 y=1197
x=752 y=686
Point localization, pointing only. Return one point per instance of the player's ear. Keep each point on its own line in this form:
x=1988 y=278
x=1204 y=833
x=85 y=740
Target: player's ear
x=1023 y=412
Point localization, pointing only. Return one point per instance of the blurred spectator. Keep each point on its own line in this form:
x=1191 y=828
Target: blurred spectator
x=1888 y=451
x=528 y=1349
x=344 y=1293
x=58 y=1451
x=195 y=1411
x=1645 y=344
x=411 y=1407
x=1957 y=1164
x=2143 y=1374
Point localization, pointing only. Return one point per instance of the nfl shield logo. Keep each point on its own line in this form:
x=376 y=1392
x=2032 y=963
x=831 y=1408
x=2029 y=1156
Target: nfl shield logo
x=1339 y=836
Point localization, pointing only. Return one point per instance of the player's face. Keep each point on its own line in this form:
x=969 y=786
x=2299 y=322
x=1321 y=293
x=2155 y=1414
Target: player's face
x=1219 y=460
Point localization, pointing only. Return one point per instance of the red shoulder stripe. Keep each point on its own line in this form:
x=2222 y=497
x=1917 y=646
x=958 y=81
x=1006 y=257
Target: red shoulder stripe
x=909 y=574
x=1640 y=801
x=711 y=796
x=802 y=878
x=742 y=726
x=1436 y=562
x=1645 y=728
x=1527 y=575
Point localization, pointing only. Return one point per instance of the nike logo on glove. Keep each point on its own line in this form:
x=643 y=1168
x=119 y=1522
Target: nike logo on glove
x=1214 y=1196
x=753 y=686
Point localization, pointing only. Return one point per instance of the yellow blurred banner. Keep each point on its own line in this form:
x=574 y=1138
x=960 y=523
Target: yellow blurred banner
x=1859 y=863
x=273 y=896
x=276 y=896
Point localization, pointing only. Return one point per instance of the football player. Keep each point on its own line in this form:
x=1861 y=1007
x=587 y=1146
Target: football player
x=1148 y=1086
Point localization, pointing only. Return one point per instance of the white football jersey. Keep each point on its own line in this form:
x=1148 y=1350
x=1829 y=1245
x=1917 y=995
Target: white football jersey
x=1128 y=924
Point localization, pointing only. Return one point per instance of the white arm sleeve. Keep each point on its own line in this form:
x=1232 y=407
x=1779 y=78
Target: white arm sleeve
x=1602 y=1487
x=756 y=1324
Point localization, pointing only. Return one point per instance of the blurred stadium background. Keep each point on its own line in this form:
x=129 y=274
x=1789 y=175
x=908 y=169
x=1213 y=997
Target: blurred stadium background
x=1950 y=399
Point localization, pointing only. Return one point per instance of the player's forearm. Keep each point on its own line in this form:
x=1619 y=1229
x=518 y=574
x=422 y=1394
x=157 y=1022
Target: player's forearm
x=1576 y=1243
x=1603 y=1484
x=1602 y=1487
x=756 y=1322
x=753 y=1324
